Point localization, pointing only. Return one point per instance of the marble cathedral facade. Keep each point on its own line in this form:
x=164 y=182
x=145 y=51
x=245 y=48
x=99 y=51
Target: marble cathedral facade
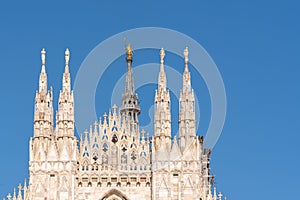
x=115 y=160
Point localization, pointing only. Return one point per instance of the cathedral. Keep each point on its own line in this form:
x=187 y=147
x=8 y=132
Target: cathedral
x=115 y=160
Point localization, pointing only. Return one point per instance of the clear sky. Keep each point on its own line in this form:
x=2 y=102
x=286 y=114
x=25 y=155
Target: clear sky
x=255 y=45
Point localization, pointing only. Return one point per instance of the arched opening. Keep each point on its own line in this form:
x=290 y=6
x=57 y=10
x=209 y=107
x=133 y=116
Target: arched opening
x=114 y=195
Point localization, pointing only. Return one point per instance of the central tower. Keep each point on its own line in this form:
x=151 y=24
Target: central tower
x=130 y=108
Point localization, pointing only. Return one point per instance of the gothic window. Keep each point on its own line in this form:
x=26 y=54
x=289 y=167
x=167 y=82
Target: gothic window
x=95 y=156
x=133 y=146
x=124 y=159
x=104 y=137
x=143 y=154
x=105 y=147
x=86 y=153
x=133 y=156
x=95 y=145
x=85 y=165
x=124 y=148
x=143 y=163
x=114 y=138
x=104 y=159
x=114 y=150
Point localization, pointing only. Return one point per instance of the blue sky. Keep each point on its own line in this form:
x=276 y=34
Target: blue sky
x=255 y=45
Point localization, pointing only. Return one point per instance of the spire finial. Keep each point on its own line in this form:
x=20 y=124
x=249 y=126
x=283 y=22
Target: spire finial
x=43 y=56
x=14 y=197
x=67 y=56
x=86 y=134
x=20 y=191
x=114 y=109
x=9 y=196
x=162 y=55
x=186 y=59
x=220 y=196
x=143 y=133
x=215 y=192
x=186 y=54
x=129 y=52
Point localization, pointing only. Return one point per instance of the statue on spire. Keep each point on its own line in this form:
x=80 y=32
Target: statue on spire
x=162 y=55
x=43 y=57
x=129 y=52
x=186 y=54
x=67 y=56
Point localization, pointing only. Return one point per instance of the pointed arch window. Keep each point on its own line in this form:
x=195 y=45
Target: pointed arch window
x=104 y=159
x=114 y=138
x=105 y=147
x=133 y=156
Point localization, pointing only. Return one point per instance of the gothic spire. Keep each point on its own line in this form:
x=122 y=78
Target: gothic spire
x=162 y=114
x=43 y=104
x=130 y=108
x=187 y=119
x=65 y=113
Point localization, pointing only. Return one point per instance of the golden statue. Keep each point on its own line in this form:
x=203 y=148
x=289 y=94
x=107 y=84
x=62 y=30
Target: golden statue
x=129 y=52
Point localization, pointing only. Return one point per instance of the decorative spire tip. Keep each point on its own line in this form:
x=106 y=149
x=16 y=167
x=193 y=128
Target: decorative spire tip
x=162 y=55
x=129 y=52
x=43 y=56
x=67 y=56
x=186 y=54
